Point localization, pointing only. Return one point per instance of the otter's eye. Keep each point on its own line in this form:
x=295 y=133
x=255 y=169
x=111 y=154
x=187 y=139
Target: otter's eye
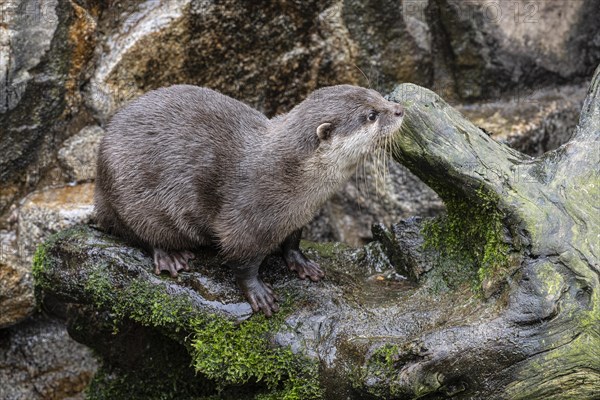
x=372 y=115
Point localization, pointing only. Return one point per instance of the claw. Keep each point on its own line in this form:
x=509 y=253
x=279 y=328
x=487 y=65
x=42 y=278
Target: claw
x=260 y=296
x=298 y=262
x=172 y=262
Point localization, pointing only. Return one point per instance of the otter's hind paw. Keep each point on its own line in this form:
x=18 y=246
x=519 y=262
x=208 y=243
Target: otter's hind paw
x=260 y=295
x=172 y=262
x=296 y=261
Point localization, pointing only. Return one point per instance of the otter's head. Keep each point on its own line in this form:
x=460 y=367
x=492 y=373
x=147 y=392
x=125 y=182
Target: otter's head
x=348 y=122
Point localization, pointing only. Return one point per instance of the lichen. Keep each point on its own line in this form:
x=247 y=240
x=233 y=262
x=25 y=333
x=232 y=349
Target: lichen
x=469 y=240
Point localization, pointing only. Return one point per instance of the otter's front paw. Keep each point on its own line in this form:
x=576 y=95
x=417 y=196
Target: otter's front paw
x=172 y=262
x=296 y=261
x=260 y=296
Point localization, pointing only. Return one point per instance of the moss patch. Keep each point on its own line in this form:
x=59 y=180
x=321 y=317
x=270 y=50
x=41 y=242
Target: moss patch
x=232 y=358
x=237 y=354
x=469 y=241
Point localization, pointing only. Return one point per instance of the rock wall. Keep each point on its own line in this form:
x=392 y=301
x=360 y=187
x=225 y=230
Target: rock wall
x=516 y=68
x=65 y=65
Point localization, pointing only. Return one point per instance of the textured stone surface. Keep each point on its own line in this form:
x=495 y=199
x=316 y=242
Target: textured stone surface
x=45 y=49
x=484 y=48
x=381 y=192
x=77 y=155
x=51 y=210
x=39 y=361
x=532 y=122
x=41 y=214
x=17 y=300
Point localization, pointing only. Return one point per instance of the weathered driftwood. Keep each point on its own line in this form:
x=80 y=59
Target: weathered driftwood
x=545 y=343
x=529 y=328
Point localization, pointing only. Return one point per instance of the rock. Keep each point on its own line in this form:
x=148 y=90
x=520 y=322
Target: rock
x=51 y=210
x=41 y=214
x=484 y=49
x=45 y=47
x=532 y=122
x=38 y=360
x=17 y=300
x=78 y=154
x=393 y=44
x=275 y=54
x=382 y=192
x=150 y=329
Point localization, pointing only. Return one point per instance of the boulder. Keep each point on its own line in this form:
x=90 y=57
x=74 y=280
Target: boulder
x=484 y=49
x=39 y=361
x=44 y=52
x=17 y=300
x=78 y=154
x=42 y=213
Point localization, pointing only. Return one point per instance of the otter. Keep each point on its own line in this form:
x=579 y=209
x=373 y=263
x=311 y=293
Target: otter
x=184 y=167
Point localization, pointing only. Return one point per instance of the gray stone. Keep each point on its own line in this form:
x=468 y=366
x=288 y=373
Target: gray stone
x=78 y=154
x=31 y=27
x=532 y=122
x=38 y=360
x=41 y=214
x=50 y=210
x=44 y=49
x=393 y=44
x=17 y=300
x=486 y=48
x=381 y=192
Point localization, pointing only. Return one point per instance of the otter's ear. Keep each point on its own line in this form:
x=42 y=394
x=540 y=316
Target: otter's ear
x=324 y=131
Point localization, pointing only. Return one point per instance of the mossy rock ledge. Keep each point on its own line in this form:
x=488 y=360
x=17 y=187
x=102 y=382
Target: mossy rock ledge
x=503 y=300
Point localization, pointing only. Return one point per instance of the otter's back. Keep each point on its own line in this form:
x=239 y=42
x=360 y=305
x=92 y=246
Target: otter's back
x=165 y=157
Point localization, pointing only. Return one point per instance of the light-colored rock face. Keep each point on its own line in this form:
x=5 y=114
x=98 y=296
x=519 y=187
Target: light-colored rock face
x=44 y=50
x=17 y=300
x=78 y=154
x=41 y=214
x=39 y=361
x=51 y=210
x=542 y=25
x=151 y=32
x=26 y=31
x=498 y=46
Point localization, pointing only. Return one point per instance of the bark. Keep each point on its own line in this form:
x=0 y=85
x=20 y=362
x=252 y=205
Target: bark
x=529 y=330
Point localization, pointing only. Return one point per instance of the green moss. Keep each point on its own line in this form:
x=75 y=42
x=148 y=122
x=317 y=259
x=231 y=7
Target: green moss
x=139 y=300
x=229 y=356
x=39 y=261
x=324 y=250
x=468 y=239
x=379 y=374
x=238 y=354
x=224 y=352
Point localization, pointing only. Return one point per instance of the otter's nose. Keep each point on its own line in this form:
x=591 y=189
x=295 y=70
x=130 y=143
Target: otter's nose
x=398 y=111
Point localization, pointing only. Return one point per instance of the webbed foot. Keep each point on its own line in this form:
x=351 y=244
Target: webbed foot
x=171 y=261
x=260 y=295
x=296 y=261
